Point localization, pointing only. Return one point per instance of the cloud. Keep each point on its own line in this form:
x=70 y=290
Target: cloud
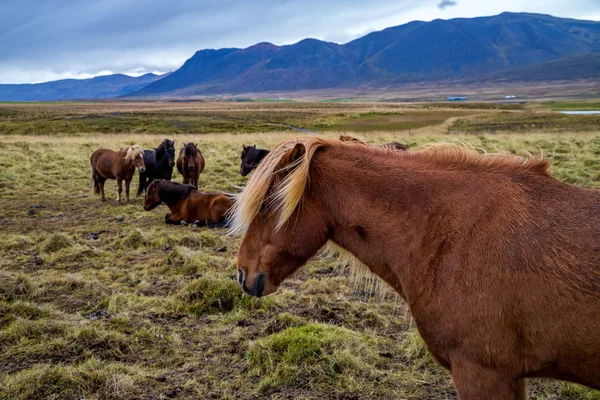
x=446 y=3
x=42 y=39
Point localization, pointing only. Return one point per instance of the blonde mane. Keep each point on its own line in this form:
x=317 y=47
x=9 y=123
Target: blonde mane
x=133 y=151
x=283 y=197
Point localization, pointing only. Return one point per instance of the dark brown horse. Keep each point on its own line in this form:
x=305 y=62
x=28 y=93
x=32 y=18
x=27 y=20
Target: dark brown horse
x=119 y=165
x=187 y=205
x=190 y=163
x=251 y=157
x=498 y=261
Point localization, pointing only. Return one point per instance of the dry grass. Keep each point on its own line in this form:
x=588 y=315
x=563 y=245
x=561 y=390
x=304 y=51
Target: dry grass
x=153 y=311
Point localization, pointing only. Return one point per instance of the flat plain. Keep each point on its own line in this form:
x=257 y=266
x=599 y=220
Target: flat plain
x=105 y=301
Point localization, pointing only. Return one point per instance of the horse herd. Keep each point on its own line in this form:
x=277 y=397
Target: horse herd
x=498 y=262
x=186 y=204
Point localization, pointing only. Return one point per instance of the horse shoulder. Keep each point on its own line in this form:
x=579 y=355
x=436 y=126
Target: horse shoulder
x=180 y=163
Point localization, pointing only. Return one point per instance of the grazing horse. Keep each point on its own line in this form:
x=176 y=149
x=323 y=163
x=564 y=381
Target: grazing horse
x=159 y=164
x=190 y=163
x=251 y=157
x=187 y=205
x=390 y=146
x=119 y=165
x=498 y=262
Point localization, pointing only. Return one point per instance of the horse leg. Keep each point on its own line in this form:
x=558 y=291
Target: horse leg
x=127 y=184
x=172 y=219
x=101 y=186
x=119 y=189
x=141 y=185
x=522 y=389
x=476 y=382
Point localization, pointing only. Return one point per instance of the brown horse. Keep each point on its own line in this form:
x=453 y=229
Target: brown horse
x=187 y=205
x=498 y=261
x=190 y=163
x=390 y=146
x=119 y=165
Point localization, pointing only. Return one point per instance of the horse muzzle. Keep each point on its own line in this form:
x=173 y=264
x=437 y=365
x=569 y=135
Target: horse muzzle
x=257 y=287
x=142 y=170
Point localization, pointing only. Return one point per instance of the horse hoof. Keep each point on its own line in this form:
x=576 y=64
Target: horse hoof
x=103 y=199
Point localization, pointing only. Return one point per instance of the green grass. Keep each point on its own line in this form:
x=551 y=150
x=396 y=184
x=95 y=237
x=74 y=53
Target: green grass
x=526 y=122
x=149 y=310
x=314 y=355
x=572 y=105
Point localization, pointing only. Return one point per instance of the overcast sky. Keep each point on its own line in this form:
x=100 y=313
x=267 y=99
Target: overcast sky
x=43 y=40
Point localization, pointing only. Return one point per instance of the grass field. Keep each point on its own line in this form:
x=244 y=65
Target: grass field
x=105 y=301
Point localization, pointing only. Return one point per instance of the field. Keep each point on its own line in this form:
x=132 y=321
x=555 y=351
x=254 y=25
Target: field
x=105 y=301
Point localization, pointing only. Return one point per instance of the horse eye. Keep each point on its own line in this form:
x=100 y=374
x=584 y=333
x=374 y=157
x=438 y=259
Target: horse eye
x=263 y=206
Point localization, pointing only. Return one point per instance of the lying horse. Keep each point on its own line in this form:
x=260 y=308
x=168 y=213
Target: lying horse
x=187 y=205
x=190 y=163
x=119 y=165
x=159 y=164
x=251 y=157
x=390 y=146
x=498 y=261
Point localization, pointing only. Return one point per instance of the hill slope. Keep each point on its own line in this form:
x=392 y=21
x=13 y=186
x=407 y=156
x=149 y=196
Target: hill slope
x=582 y=67
x=417 y=51
x=100 y=87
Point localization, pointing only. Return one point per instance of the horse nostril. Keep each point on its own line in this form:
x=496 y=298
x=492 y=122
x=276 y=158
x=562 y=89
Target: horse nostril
x=241 y=276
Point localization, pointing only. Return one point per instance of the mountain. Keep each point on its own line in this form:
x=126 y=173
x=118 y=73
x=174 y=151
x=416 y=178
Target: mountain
x=417 y=51
x=582 y=67
x=100 y=87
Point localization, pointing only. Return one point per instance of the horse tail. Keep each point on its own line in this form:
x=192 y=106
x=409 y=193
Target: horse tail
x=95 y=183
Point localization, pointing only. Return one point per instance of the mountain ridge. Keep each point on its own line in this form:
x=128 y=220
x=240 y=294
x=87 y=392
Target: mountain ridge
x=98 y=87
x=457 y=50
x=417 y=51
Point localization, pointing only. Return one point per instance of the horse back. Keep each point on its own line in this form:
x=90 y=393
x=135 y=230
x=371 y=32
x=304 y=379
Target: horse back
x=107 y=162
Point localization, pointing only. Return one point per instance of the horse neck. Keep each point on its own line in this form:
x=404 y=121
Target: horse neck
x=168 y=196
x=163 y=161
x=126 y=162
x=260 y=154
x=381 y=217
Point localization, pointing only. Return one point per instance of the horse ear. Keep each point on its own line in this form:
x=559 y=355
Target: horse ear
x=294 y=155
x=244 y=148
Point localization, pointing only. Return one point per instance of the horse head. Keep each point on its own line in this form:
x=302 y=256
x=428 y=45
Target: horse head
x=135 y=154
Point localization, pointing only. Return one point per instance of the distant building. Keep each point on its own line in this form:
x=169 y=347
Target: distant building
x=457 y=98
x=512 y=96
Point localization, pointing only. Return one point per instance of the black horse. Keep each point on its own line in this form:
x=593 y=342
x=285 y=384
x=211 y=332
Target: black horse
x=251 y=157
x=159 y=164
